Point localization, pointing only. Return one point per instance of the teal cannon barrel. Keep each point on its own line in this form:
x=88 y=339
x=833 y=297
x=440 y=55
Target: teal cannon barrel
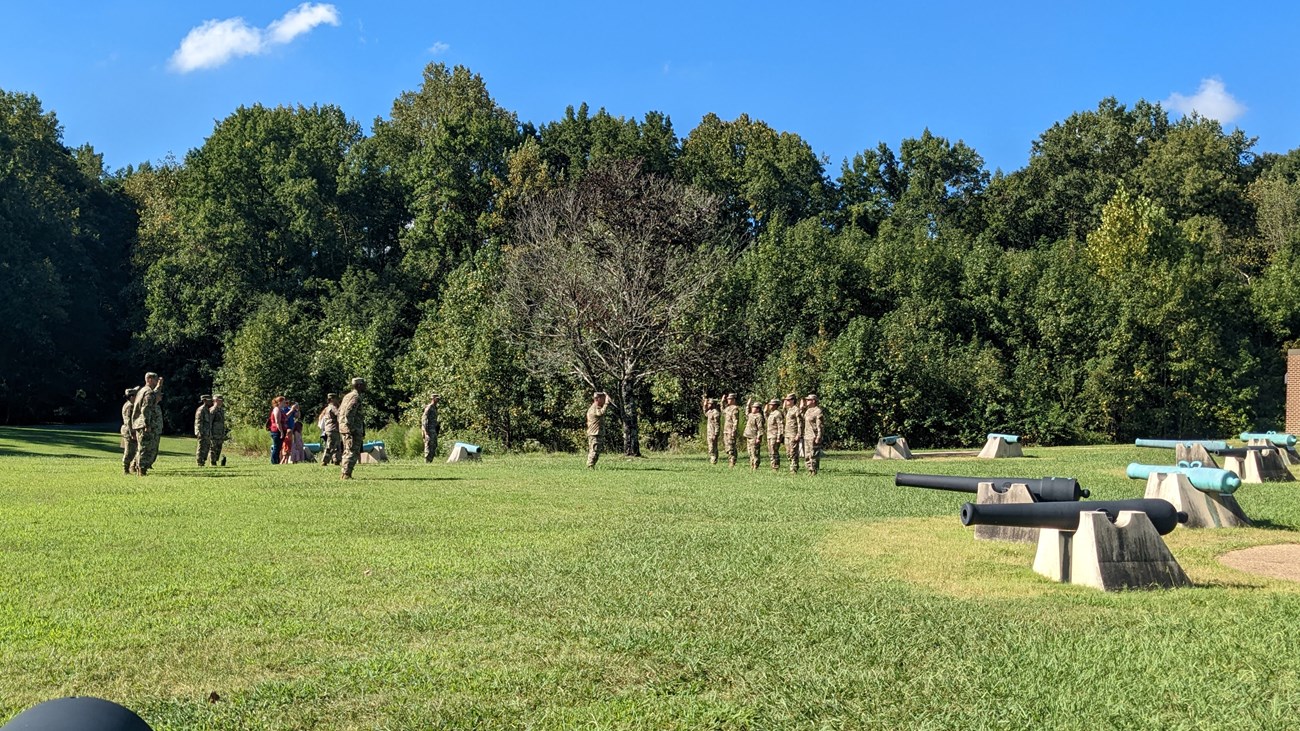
x=370 y=445
x=1272 y=437
x=1008 y=438
x=1201 y=478
x=1210 y=445
x=891 y=440
x=1065 y=516
x=1045 y=489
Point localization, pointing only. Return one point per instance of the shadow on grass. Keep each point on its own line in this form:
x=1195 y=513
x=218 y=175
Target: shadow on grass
x=104 y=440
x=1270 y=525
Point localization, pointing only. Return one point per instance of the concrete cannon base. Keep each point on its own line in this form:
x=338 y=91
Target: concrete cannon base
x=1126 y=554
x=374 y=455
x=897 y=450
x=1287 y=455
x=1194 y=453
x=1017 y=493
x=1204 y=508
x=1260 y=465
x=997 y=448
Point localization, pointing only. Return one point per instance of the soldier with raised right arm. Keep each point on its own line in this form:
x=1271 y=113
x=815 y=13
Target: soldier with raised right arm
x=730 y=420
x=713 y=426
x=793 y=431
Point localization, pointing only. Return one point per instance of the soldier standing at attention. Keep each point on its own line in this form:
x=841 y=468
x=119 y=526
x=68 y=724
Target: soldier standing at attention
x=595 y=426
x=775 y=430
x=429 y=427
x=754 y=432
x=793 y=431
x=129 y=443
x=146 y=423
x=217 y=431
x=730 y=420
x=203 y=428
x=713 y=418
x=812 y=434
x=352 y=425
x=331 y=448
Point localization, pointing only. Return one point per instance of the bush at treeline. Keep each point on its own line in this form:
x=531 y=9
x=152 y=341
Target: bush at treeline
x=1139 y=276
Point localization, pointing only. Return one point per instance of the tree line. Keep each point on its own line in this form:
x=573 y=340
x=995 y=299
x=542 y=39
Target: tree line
x=1138 y=276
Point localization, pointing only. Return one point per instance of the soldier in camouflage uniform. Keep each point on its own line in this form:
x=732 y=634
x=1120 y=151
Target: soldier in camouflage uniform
x=429 y=428
x=203 y=428
x=754 y=432
x=146 y=423
x=730 y=420
x=331 y=447
x=129 y=443
x=793 y=431
x=713 y=418
x=812 y=434
x=352 y=425
x=596 y=426
x=775 y=429
x=217 y=433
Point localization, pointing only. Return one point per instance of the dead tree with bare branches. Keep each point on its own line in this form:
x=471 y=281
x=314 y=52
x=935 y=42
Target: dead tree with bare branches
x=605 y=280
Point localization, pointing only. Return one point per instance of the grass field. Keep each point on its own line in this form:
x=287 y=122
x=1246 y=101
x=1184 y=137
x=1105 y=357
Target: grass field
x=661 y=593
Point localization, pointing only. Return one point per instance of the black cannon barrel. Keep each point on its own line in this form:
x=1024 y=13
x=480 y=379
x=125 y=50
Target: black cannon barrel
x=1044 y=489
x=1241 y=451
x=1065 y=516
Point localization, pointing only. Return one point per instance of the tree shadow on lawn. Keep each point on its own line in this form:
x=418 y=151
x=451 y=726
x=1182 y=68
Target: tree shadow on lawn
x=95 y=439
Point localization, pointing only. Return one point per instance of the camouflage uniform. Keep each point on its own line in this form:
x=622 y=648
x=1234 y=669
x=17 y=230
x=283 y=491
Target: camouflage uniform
x=331 y=448
x=730 y=420
x=203 y=430
x=146 y=422
x=753 y=434
x=218 y=431
x=793 y=432
x=775 y=429
x=713 y=418
x=429 y=425
x=352 y=425
x=595 y=425
x=129 y=443
x=812 y=437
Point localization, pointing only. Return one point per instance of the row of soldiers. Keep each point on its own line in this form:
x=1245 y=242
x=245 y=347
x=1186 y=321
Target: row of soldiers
x=795 y=423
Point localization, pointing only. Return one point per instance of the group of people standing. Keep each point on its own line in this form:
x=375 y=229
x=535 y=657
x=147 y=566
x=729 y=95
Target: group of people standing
x=210 y=429
x=142 y=425
x=342 y=427
x=141 y=430
x=793 y=422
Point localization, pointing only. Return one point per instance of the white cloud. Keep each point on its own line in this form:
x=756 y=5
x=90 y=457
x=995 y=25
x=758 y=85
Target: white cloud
x=300 y=20
x=439 y=48
x=217 y=41
x=1212 y=100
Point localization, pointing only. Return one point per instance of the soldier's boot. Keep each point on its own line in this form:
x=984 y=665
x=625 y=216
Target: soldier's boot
x=713 y=459
x=731 y=461
x=126 y=469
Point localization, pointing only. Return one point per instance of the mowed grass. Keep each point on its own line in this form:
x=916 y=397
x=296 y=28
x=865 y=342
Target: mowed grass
x=662 y=593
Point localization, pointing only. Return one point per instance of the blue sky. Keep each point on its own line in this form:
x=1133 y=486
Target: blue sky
x=844 y=76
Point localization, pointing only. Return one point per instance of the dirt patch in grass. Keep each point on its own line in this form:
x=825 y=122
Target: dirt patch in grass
x=1277 y=561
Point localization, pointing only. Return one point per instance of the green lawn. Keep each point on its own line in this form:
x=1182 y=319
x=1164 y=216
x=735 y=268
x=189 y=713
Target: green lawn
x=528 y=592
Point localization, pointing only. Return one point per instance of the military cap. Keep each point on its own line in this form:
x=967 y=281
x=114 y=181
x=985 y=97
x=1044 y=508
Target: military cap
x=331 y=396
x=774 y=402
x=792 y=397
x=151 y=374
x=358 y=382
x=205 y=397
x=217 y=397
x=598 y=394
x=811 y=397
x=434 y=395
